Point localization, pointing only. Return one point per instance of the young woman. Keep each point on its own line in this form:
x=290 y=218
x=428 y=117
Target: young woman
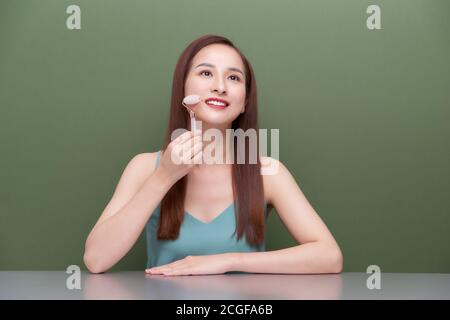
x=203 y=218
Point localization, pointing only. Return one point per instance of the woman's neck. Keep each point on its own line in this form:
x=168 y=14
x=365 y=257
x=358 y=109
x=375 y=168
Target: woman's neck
x=216 y=149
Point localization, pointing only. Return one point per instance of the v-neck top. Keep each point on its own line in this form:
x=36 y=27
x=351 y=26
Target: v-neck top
x=196 y=237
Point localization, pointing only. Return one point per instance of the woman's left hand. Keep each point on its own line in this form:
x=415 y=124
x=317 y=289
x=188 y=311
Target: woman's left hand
x=195 y=265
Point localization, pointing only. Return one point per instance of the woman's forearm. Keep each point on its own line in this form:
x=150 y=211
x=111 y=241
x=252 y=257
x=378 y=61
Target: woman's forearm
x=112 y=239
x=308 y=258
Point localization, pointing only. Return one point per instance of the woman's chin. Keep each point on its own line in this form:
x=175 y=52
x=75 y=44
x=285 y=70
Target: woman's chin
x=216 y=119
x=212 y=122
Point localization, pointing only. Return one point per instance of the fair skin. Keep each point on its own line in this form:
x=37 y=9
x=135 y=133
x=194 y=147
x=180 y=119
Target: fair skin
x=209 y=190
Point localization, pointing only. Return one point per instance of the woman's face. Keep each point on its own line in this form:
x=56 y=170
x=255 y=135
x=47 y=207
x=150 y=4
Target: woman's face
x=217 y=71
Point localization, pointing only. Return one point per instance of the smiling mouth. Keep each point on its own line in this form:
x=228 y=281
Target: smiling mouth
x=217 y=104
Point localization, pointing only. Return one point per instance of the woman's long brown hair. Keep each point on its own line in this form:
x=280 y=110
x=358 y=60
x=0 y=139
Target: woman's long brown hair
x=247 y=181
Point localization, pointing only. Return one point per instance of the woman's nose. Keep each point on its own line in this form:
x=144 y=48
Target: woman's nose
x=219 y=86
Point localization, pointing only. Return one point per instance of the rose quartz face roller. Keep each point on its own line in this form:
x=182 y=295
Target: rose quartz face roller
x=191 y=100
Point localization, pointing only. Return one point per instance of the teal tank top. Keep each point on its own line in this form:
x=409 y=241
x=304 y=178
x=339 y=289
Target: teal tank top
x=196 y=237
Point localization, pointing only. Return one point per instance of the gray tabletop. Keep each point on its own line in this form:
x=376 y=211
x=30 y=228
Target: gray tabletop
x=138 y=285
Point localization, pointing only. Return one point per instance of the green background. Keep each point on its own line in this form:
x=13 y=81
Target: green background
x=363 y=117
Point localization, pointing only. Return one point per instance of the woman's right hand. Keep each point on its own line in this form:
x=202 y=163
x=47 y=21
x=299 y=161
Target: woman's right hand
x=181 y=155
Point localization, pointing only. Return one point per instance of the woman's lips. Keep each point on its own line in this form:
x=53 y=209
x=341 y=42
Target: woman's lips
x=216 y=107
x=217 y=103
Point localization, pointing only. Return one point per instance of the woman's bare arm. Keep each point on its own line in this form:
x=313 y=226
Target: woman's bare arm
x=139 y=191
x=122 y=221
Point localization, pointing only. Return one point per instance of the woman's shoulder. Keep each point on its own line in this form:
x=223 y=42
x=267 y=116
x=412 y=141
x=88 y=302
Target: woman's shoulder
x=143 y=164
x=273 y=172
x=271 y=166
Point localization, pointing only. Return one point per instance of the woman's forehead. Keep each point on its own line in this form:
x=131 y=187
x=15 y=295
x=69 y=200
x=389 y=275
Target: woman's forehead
x=218 y=55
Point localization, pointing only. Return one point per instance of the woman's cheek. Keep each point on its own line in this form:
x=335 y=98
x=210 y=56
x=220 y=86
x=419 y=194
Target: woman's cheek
x=240 y=101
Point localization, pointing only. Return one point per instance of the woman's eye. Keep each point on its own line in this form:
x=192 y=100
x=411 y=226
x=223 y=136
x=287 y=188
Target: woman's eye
x=207 y=73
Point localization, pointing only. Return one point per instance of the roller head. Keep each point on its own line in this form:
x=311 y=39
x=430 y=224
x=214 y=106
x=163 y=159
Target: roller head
x=192 y=99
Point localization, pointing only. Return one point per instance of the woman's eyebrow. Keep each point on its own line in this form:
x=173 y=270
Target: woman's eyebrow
x=205 y=64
